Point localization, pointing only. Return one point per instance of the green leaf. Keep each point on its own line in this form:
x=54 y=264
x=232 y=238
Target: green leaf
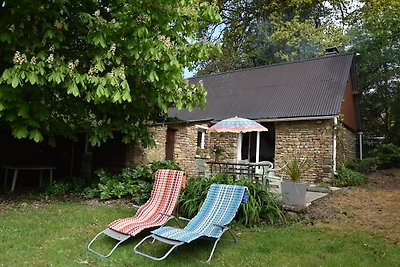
x=73 y=89
x=15 y=81
x=36 y=136
x=113 y=81
x=98 y=39
x=100 y=90
x=125 y=85
x=5 y=37
x=6 y=74
x=20 y=132
x=32 y=77
x=94 y=140
x=126 y=96
x=100 y=65
x=153 y=76
x=116 y=97
x=23 y=111
x=49 y=34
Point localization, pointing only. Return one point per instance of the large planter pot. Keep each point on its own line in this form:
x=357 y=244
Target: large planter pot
x=293 y=193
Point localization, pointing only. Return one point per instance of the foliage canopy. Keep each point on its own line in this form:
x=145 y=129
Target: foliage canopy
x=100 y=65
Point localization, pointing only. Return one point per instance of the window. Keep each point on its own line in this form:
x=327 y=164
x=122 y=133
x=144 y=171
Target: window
x=201 y=139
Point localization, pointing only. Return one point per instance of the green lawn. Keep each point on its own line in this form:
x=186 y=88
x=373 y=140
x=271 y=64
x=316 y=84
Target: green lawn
x=56 y=234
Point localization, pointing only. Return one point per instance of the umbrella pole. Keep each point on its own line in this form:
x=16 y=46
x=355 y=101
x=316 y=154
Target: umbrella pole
x=248 y=149
x=258 y=148
x=239 y=147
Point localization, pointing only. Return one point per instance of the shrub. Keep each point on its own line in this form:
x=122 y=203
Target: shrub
x=58 y=188
x=132 y=182
x=261 y=204
x=388 y=155
x=347 y=177
x=66 y=186
x=135 y=182
x=163 y=164
x=367 y=165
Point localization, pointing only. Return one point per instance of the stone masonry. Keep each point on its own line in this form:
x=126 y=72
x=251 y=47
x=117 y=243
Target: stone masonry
x=139 y=155
x=184 y=146
x=346 y=145
x=312 y=139
x=306 y=139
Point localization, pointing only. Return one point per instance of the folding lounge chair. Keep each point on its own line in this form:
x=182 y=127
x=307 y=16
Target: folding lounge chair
x=154 y=213
x=217 y=211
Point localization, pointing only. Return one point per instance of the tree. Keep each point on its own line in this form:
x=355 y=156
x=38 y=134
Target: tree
x=375 y=37
x=254 y=33
x=101 y=65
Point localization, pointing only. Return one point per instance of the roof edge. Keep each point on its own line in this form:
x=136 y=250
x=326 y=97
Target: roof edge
x=272 y=65
x=298 y=118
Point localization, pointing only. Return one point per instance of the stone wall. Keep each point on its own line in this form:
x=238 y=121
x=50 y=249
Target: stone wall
x=138 y=155
x=311 y=139
x=346 y=145
x=228 y=143
x=184 y=147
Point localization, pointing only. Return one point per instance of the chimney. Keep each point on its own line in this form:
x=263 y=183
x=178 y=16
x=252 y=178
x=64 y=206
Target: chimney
x=331 y=51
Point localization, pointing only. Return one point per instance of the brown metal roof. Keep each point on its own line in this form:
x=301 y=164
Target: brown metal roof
x=308 y=88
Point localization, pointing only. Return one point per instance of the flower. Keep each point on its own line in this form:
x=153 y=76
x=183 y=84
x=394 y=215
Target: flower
x=33 y=60
x=50 y=59
x=112 y=49
x=19 y=58
x=57 y=24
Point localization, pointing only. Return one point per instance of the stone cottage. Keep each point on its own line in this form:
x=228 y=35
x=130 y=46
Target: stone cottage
x=310 y=108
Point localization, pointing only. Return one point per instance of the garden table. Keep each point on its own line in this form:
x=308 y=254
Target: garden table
x=17 y=168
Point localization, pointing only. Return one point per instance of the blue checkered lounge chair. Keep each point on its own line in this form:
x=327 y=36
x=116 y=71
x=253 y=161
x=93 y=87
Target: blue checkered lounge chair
x=217 y=211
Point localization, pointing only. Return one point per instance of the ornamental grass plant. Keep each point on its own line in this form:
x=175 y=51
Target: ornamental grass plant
x=296 y=167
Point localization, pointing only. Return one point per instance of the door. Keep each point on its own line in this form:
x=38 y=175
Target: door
x=266 y=148
x=170 y=144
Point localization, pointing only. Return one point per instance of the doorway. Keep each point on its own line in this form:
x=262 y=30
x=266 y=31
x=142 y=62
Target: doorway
x=170 y=144
x=267 y=144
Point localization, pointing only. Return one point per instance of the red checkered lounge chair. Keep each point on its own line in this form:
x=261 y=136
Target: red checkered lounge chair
x=157 y=211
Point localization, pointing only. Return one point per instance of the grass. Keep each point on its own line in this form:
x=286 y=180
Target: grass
x=56 y=233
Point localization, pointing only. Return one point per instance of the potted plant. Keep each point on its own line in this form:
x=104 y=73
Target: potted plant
x=294 y=191
x=217 y=153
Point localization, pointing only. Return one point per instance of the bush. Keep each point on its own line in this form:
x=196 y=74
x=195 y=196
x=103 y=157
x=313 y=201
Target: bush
x=58 y=188
x=66 y=186
x=136 y=182
x=388 y=155
x=367 y=165
x=261 y=205
x=347 y=177
x=163 y=164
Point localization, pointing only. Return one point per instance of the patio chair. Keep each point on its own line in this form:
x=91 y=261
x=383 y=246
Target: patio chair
x=201 y=164
x=218 y=210
x=156 y=212
x=267 y=171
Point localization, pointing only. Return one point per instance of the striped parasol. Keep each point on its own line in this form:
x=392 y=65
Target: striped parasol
x=237 y=125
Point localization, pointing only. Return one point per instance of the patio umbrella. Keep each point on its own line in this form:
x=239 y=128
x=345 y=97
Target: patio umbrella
x=237 y=125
